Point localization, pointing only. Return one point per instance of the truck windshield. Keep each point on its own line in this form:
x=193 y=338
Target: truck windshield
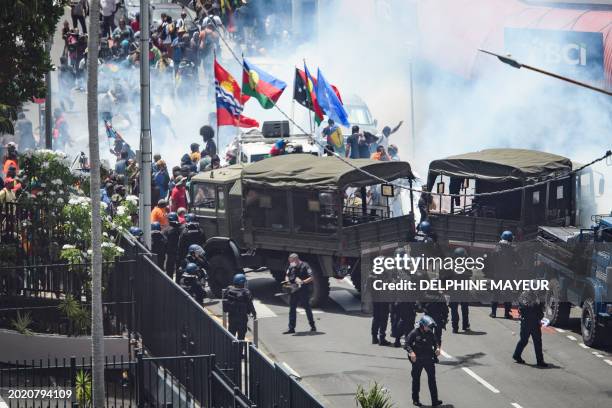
x=203 y=195
x=359 y=115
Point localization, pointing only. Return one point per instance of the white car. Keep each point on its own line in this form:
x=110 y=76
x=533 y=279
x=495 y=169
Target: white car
x=252 y=146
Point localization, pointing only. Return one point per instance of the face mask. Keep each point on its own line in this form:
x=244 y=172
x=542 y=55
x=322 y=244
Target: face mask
x=293 y=264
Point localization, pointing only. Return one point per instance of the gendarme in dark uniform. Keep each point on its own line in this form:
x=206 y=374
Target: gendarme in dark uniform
x=531 y=310
x=422 y=348
x=238 y=304
x=299 y=272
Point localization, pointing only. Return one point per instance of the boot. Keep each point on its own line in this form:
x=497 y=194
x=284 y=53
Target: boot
x=397 y=343
x=374 y=340
x=384 y=342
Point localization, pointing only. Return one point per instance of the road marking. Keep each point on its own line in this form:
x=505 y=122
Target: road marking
x=584 y=346
x=291 y=370
x=480 y=380
x=262 y=310
x=515 y=405
x=597 y=354
x=346 y=300
x=302 y=312
x=446 y=355
x=560 y=331
x=609 y=362
x=572 y=338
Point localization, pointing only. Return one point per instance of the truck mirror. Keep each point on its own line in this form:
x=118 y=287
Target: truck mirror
x=387 y=190
x=602 y=186
x=466 y=183
x=440 y=187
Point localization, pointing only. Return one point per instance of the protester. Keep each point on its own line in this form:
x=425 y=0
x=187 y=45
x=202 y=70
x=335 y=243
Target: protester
x=23 y=133
x=78 y=10
x=107 y=9
x=162 y=178
x=178 y=197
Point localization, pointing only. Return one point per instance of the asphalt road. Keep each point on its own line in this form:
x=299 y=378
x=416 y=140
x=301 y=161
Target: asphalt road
x=476 y=370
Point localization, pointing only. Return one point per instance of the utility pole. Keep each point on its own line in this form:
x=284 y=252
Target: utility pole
x=48 y=105
x=145 y=123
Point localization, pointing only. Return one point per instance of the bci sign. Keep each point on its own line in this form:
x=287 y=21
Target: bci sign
x=577 y=54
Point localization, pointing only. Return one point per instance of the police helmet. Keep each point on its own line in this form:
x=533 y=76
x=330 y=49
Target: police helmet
x=427 y=321
x=425 y=227
x=196 y=249
x=173 y=217
x=155 y=226
x=507 y=236
x=190 y=217
x=460 y=252
x=191 y=268
x=135 y=231
x=239 y=279
x=401 y=251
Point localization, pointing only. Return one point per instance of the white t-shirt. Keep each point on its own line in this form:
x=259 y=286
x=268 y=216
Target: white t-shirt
x=383 y=141
x=108 y=7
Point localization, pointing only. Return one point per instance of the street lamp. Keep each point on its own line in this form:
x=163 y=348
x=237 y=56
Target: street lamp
x=515 y=64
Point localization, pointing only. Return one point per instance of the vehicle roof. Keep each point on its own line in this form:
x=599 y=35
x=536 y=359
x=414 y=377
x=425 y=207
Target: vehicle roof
x=219 y=176
x=500 y=165
x=312 y=172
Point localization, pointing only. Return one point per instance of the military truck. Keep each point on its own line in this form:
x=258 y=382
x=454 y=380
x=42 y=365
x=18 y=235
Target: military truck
x=477 y=223
x=578 y=265
x=324 y=209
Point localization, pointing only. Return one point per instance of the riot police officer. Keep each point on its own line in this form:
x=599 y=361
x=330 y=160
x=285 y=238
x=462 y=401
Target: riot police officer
x=172 y=234
x=454 y=305
x=191 y=234
x=531 y=310
x=299 y=273
x=402 y=320
x=503 y=264
x=136 y=233
x=158 y=244
x=190 y=280
x=238 y=304
x=196 y=255
x=423 y=349
x=437 y=309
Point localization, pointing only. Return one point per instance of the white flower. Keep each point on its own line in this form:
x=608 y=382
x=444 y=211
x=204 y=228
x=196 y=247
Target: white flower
x=68 y=246
x=121 y=210
x=132 y=199
x=121 y=250
x=57 y=182
x=52 y=193
x=89 y=252
x=73 y=201
x=103 y=205
x=60 y=201
x=105 y=234
x=43 y=185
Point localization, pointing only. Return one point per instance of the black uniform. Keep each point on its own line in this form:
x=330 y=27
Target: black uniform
x=465 y=318
x=531 y=310
x=192 y=234
x=380 y=318
x=158 y=247
x=191 y=283
x=424 y=345
x=238 y=303
x=503 y=264
x=172 y=233
x=302 y=295
x=402 y=319
x=437 y=309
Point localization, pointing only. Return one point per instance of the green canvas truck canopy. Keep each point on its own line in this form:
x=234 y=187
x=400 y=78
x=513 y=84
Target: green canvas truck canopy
x=307 y=171
x=500 y=165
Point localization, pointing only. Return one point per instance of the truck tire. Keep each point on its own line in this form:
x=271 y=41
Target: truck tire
x=220 y=275
x=556 y=311
x=320 y=288
x=592 y=335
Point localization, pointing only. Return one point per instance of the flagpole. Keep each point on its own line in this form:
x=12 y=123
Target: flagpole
x=216 y=110
x=293 y=103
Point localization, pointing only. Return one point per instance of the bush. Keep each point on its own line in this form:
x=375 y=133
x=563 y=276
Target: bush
x=375 y=397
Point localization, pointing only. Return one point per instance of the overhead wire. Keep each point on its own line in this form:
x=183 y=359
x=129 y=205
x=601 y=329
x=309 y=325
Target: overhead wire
x=607 y=154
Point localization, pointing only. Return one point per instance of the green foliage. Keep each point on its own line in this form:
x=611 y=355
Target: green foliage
x=26 y=26
x=22 y=323
x=78 y=316
x=83 y=388
x=375 y=397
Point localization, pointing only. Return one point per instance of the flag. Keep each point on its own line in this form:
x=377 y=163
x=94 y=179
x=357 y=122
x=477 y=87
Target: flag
x=260 y=85
x=229 y=100
x=329 y=101
x=111 y=133
x=300 y=93
x=312 y=96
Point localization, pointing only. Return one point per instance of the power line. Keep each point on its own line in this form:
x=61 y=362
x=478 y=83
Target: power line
x=395 y=185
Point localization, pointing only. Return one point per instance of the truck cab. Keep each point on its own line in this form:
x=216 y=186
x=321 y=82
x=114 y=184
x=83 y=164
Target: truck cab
x=322 y=208
x=578 y=264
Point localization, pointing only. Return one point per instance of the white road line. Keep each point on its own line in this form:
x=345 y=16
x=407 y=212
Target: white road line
x=584 y=346
x=301 y=311
x=572 y=338
x=346 y=300
x=480 y=380
x=560 y=331
x=262 y=310
x=597 y=354
x=446 y=355
x=609 y=362
x=515 y=405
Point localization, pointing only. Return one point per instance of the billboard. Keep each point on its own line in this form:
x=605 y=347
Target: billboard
x=576 y=54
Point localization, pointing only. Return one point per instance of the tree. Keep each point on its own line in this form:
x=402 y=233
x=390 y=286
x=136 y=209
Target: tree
x=97 y=322
x=26 y=26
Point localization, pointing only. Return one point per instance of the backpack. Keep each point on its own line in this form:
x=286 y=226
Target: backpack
x=235 y=300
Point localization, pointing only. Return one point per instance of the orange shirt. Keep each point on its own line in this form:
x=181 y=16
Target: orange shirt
x=8 y=163
x=159 y=215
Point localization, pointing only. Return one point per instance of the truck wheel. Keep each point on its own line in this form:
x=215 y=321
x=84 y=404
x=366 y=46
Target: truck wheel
x=556 y=311
x=356 y=278
x=320 y=289
x=220 y=275
x=592 y=335
x=279 y=275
